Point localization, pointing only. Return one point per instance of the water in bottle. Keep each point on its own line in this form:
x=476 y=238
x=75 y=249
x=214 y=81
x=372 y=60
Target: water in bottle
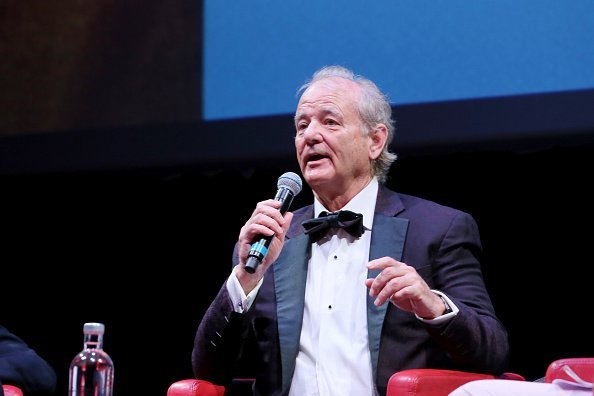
x=91 y=370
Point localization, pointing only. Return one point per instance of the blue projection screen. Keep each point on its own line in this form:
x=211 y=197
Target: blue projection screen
x=461 y=75
x=256 y=53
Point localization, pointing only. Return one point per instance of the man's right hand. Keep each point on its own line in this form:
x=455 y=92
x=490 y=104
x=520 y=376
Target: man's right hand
x=266 y=220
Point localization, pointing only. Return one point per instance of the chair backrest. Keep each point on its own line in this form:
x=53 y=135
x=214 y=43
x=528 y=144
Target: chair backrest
x=434 y=382
x=194 y=387
x=583 y=367
x=10 y=390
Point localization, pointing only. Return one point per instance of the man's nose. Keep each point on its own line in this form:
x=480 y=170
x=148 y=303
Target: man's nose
x=313 y=132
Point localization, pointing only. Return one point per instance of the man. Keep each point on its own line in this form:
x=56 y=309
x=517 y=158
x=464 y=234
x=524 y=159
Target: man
x=339 y=315
x=21 y=366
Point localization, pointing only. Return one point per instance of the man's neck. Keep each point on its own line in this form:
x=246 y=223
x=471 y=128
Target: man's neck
x=336 y=202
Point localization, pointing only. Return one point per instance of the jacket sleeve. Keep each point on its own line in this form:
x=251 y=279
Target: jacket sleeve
x=23 y=367
x=475 y=337
x=219 y=342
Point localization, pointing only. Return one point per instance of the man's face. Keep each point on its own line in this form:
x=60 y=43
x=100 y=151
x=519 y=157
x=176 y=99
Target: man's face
x=332 y=148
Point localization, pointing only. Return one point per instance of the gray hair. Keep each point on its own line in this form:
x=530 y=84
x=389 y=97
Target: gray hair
x=374 y=108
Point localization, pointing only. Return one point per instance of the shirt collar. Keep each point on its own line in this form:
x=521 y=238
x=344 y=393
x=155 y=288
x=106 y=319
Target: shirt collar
x=363 y=202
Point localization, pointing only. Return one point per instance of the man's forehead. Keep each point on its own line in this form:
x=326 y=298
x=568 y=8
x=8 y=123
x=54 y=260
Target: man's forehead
x=308 y=109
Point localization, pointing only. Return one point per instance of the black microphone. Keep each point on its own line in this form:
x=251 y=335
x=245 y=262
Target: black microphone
x=289 y=185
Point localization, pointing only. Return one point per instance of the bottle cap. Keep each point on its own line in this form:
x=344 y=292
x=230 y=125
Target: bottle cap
x=94 y=328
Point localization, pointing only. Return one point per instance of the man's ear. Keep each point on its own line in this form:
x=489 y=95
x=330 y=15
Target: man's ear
x=377 y=140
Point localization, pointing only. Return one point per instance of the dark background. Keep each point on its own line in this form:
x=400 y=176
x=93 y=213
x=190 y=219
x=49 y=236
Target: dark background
x=122 y=206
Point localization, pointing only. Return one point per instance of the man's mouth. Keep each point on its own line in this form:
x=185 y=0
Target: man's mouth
x=315 y=157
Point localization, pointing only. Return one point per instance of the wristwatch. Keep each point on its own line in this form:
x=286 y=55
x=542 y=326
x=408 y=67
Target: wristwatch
x=448 y=309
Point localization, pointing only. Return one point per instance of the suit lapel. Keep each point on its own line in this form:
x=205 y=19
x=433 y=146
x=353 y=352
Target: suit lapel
x=290 y=273
x=387 y=239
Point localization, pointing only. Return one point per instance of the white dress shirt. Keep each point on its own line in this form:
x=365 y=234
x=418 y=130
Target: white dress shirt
x=333 y=357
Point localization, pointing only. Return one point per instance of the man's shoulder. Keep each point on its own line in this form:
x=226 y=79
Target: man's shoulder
x=429 y=217
x=427 y=206
x=411 y=200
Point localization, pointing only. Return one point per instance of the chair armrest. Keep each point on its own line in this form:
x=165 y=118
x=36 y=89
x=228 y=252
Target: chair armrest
x=195 y=387
x=435 y=382
x=11 y=390
x=584 y=367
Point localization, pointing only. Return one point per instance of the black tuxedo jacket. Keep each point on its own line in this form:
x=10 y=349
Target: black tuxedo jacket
x=443 y=245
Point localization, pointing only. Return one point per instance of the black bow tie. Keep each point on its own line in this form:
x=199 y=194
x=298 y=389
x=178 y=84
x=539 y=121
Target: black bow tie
x=352 y=223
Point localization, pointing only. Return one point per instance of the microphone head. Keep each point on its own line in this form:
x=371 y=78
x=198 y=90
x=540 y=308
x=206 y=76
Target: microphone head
x=290 y=181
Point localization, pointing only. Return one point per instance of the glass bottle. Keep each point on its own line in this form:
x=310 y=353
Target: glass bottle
x=91 y=371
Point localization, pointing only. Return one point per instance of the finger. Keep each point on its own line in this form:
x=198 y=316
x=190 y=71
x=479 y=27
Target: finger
x=269 y=207
x=385 y=284
x=383 y=262
x=403 y=298
x=377 y=284
x=253 y=230
x=273 y=221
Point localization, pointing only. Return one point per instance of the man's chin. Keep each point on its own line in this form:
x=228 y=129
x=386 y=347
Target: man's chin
x=317 y=176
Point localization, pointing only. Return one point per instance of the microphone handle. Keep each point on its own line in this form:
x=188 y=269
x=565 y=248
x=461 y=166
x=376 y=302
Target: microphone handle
x=260 y=247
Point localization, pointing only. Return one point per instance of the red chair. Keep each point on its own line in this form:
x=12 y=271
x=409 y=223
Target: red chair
x=433 y=382
x=583 y=367
x=11 y=390
x=194 y=387
x=430 y=382
x=415 y=382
